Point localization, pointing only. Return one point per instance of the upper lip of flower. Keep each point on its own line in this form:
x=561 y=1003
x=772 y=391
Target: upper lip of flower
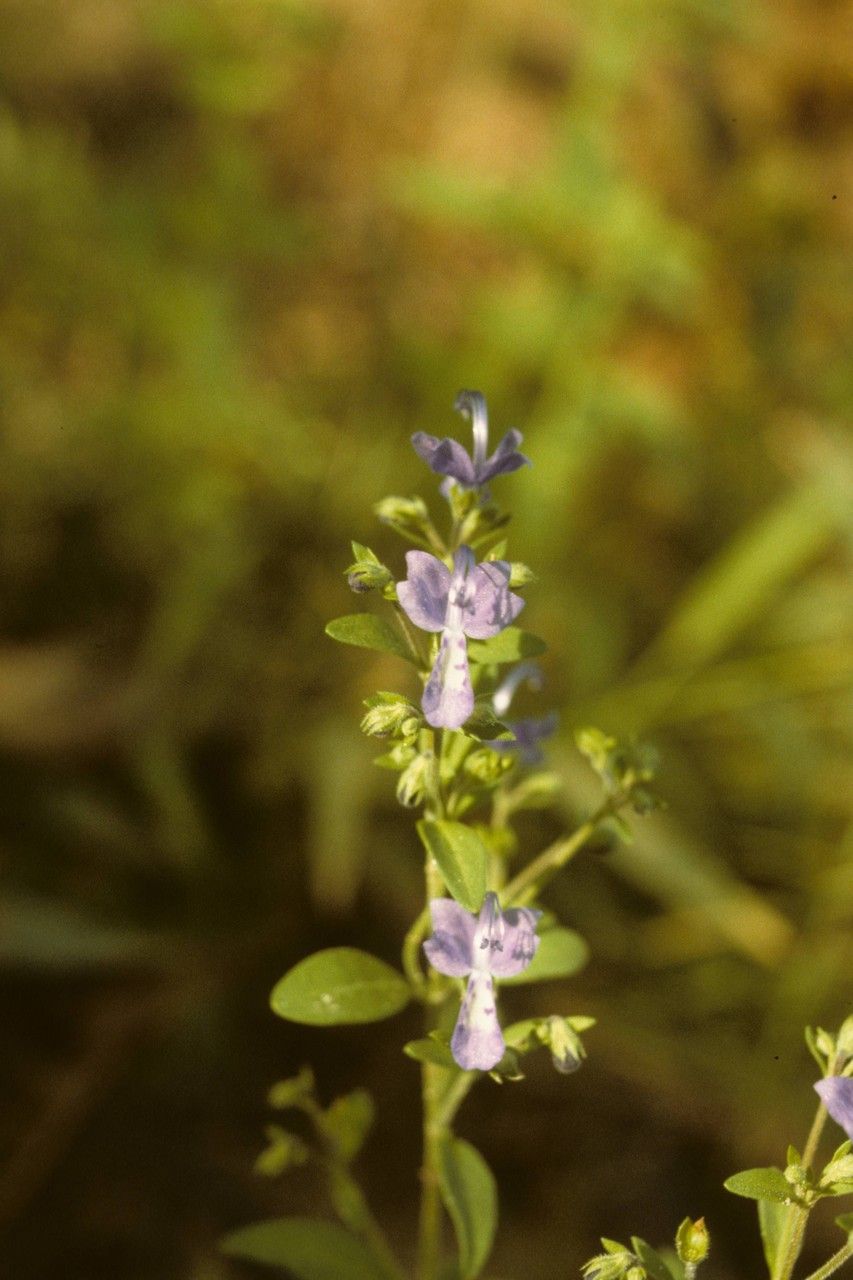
x=449 y=458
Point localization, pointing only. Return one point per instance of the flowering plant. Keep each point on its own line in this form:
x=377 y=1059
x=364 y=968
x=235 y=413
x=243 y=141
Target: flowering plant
x=470 y=770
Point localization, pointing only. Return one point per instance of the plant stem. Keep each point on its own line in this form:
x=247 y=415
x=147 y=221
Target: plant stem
x=791 y=1240
x=844 y=1254
x=525 y=886
x=432 y=1076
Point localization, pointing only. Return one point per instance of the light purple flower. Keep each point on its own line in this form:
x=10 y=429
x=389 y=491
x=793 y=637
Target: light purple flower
x=475 y=600
x=495 y=944
x=836 y=1093
x=448 y=457
x=529 y=734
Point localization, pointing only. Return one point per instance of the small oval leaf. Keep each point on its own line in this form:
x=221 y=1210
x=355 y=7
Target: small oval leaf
x=470 y=1197
x=462 y=859
x=308 y=1248
x=429 y=1050
x=368 y=631
x=341 y=985
x=761 y=1184
x=561 y=952
x=510 y=645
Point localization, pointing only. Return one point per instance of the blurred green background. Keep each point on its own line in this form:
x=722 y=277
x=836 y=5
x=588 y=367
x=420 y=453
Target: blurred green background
x=246 y=248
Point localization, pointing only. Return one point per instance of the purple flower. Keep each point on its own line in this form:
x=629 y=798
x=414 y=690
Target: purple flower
x=448 y=458
x=474 y=601
x=495 y=944
x=836 y=1093
x=529 y=733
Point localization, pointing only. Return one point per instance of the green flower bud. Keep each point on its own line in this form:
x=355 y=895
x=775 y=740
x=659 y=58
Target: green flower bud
x=283 y=1152
x=520 y=575
x=844 y=1043
x=567 y=1051
x=692 y=1242
x=487 y=766
x=390 y=715
x=413 y=783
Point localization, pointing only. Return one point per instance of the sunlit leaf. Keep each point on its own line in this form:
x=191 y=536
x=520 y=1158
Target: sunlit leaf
x=340 y=985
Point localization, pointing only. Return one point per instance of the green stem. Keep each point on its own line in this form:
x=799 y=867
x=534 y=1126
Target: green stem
x=429 y=1232
x=525 y=886
x=844 y=1254
x=791 y=1241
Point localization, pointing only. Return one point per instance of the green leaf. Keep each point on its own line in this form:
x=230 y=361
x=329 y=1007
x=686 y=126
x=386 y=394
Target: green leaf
x=307 y=1247
x=462 y=859
x=429 y=1050
x=761 y=1184
x=651 y=1260
x=470 y=1197
x=771 y=1219
x=561 y=952
x=845 y=1222
x=367 y=631
x=339 y=985
x=509 y=645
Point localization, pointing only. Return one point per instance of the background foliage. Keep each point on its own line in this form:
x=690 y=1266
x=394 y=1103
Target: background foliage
x=247 y=249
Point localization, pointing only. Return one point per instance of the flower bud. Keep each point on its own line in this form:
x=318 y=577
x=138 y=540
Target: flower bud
x=844 y=1043
x=567 y=1051
x=413 y=783
x=390 y=715
x=520 y=575
x=692 y=1242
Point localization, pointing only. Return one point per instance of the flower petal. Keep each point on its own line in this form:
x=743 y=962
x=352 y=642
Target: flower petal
x=489 y=604
x=423 y=595
x=446 y=457
x=505 y=458
x=449 y=948
x=477 y=1043
x=836 y=1093
x=448 y=698
x=519 y=944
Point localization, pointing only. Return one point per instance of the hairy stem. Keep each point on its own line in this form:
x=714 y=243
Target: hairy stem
x=844 y=1254
x=795 y=1223
x=432 y=1077
x=525 y=886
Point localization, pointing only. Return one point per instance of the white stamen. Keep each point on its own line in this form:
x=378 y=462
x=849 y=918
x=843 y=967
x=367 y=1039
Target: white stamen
x=472 y=405
x=505 y=692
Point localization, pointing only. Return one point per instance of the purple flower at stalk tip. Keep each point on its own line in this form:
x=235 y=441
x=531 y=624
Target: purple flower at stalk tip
x=494 y=944
x=530 y=732
x=448 y=457
x=475 y=600
x=836 y=1094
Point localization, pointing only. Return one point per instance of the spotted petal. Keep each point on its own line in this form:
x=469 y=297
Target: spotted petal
x=836 y=1093
x=489 y=605
x=477 y=1043
x=519 y=942
x=423 y=595
x=449 y=949
x=448 y=697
